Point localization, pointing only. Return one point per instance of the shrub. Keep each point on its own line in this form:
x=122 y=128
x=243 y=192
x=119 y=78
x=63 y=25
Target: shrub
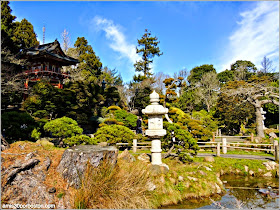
x=128 y=119
x=63 y=127
x=114 y=134
x=80 y=139
x=17 y=125
x=41 y=114
x=114 y=108
x=35 y=134
x=184 y=145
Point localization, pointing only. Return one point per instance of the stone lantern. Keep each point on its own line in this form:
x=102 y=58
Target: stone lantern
x=155 y=131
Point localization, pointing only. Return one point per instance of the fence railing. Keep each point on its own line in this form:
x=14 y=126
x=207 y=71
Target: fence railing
x=135 y=145
x=273 y=147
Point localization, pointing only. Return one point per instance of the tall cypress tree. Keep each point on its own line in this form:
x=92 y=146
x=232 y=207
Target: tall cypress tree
x=148 y=48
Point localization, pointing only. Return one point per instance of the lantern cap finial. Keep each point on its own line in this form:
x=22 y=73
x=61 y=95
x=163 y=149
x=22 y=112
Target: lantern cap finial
x=154 y=97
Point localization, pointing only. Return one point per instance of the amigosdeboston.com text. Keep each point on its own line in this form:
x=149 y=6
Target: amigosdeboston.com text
x=28 y=206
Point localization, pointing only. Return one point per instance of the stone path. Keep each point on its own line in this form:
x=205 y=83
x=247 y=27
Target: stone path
x=253 y=157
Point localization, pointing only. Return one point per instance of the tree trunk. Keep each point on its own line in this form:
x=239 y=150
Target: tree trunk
x=259 y=119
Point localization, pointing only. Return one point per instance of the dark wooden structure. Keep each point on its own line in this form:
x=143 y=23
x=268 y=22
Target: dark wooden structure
x=45 y=62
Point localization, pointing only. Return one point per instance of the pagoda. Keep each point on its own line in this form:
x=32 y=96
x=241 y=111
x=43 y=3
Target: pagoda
x=45 y=62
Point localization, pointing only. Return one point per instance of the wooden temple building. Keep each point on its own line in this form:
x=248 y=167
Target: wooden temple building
x=45 y=62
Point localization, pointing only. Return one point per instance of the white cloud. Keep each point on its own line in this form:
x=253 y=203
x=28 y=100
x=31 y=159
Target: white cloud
x=257 y=36
x=117 y=38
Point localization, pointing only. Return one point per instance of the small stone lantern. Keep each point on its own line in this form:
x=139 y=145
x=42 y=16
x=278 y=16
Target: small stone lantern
x=155 y=131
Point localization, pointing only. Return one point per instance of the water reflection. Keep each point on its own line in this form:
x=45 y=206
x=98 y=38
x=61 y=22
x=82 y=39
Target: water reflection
x=244 y=189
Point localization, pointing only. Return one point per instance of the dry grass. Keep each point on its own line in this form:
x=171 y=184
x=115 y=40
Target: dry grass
x=119 y=187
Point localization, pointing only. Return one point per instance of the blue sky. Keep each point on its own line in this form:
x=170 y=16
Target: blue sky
x=191 y=33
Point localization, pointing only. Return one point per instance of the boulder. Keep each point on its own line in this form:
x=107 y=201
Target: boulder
x=144 y=157
x=150 y=186
x=125 y=155
x=158 y=169
x=192 y=178
x=268 y=174
x=180 y=178
x=251 y=173
x=209 y=159
x=44 y=142
x=74 y=161
x=270 y=165
x=202 y=173
x=4 y=144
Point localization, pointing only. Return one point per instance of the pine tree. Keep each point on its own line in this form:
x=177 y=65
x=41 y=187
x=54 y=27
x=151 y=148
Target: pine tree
x=90 y=64
x=148 y=49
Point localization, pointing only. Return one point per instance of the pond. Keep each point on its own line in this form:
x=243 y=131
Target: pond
x=242 y=191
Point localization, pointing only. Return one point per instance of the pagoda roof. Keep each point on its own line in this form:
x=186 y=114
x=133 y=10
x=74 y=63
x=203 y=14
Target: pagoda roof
x=50 y=50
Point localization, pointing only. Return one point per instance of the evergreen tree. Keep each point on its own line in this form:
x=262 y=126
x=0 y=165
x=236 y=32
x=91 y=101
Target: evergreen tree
x=24 y=35
x=90 y=64
x=7 y=26
x=148 y=49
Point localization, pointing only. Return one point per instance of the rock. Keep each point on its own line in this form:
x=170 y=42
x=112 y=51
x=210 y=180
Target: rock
x=158 y=169
x=26 y=166
x=74 y=161
x=237 y=171
x=246 y=168
x=52 y=190
x=224 y=182
x=173 y=181
x=144 y=157
x=218 y=175
x=125 y=155
x=47 y=163
x=180 y=178
x=260 y=170
x=29 y=156
x=219 y=181
x=222 y=172
x=44 y=142
x=207 y=168
x=192 y=178
x=150 y=186
x=4 y=144
x=24 y=186
x=162 y=179
x=102 y=144
x=251 y=173
x=21 y=146
x=270 y=165
x=268 y=174
x=202 y=173
x=209 y=159
x=218 y=188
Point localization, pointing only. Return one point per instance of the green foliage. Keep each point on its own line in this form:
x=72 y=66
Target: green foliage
x=185 y=145
x=225 y=76
x=197 y=73
x=90 y=64
x=79 y=139
x=63 y=127
x=148 y=50
x=114 y=134
x=17 y=125
x=128 y=119
x=231 y=111
x=36 y=134
x=24 y=35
